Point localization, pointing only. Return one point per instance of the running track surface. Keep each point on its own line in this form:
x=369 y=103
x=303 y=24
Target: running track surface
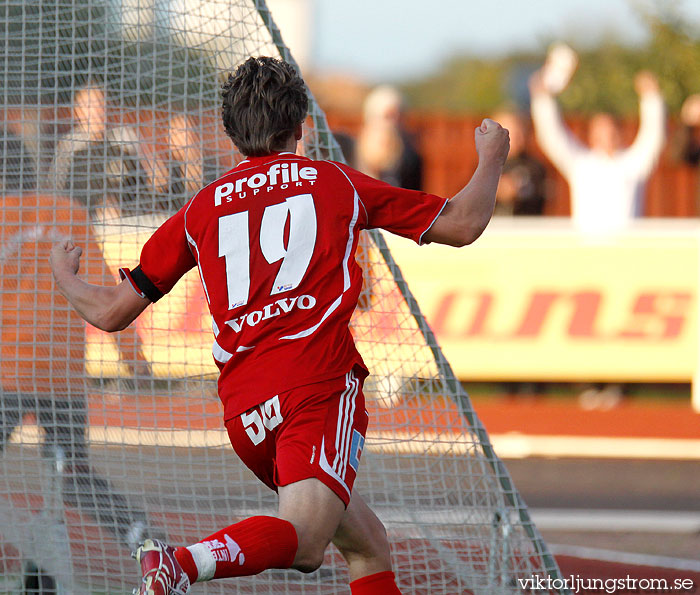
x=674 y=419
x=545 y=416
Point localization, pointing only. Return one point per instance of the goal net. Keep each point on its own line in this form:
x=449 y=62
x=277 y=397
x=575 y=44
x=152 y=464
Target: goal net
x=111 y=122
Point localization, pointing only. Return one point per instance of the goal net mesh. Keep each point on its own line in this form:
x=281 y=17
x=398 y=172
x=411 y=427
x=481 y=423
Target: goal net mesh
x=111 y=122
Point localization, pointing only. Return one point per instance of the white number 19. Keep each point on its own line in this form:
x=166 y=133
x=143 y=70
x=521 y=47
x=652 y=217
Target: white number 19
x=234 y=246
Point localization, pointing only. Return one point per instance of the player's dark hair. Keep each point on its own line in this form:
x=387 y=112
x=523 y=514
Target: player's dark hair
x=264 y=101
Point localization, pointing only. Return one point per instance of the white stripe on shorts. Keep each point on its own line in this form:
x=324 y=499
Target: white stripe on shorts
x=343 y=406
x=342 y=421
x=347 y=439
x=342 y=441
x=323 y=463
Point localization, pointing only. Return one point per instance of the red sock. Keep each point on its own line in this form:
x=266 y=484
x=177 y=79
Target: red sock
x=243 y=549
x=382 y=583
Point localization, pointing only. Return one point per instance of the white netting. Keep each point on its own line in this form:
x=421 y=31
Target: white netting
x=111 y=121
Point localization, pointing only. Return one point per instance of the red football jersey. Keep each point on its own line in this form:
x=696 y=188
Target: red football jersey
x=275 y=241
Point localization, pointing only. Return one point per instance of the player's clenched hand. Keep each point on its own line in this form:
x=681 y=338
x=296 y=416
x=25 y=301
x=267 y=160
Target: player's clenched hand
x=492 y=142
x=65 y=257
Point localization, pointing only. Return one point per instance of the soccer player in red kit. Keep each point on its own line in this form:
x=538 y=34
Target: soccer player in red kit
x=274 y=241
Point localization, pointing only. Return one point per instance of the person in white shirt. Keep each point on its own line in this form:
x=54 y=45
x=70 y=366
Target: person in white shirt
x=605 y=179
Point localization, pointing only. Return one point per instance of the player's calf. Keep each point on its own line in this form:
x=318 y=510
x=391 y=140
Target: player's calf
x=372 y=556
x=362 y=540
x=309 y=560
x=315 y=511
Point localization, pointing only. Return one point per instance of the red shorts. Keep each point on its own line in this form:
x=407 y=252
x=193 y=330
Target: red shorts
x=317 y=430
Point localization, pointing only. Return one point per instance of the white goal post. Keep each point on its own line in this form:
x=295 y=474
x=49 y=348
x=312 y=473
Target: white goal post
x=111 y=121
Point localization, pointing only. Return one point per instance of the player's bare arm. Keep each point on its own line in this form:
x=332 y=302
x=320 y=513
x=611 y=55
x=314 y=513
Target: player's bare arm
x=467 y=214
x=109 y=308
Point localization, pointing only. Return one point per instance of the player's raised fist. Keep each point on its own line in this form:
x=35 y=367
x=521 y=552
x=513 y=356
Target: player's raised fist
x=65 y=257
x=492 y=141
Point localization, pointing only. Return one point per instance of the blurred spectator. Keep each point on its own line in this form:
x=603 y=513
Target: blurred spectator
x=606 y=181
x=685 y=146
x=521 y=189
x=97 y=165
x=185 y=169
x=18 y=164
x=384 y=148
x=42 y=357
x=347 y=145
x=690 y=132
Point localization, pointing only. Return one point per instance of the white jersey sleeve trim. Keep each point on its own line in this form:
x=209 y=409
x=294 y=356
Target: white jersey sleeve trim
x=420 y=238
x=346 y=416
x=124 y=275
